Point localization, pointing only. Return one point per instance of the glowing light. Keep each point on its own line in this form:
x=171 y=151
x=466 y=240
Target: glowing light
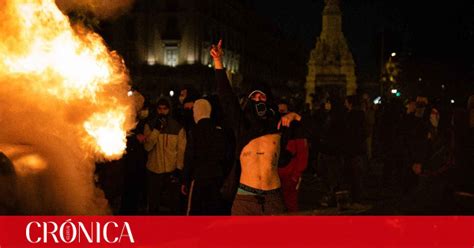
x=378 y=100
x=393 y=54
x=151 y=60
x=130 y=93
x=171 y=93
x=394 y=91
x=452 y=101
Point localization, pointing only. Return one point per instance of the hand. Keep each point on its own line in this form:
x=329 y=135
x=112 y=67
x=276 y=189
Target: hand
x=161 y=124
x=216 y=54
x=416 y=167
x=184 y=189
x=141 y=138
x=287 y=119
x=176 y=176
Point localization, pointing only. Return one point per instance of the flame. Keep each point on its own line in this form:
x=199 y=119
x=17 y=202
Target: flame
x=71 y=65
x=106 y=129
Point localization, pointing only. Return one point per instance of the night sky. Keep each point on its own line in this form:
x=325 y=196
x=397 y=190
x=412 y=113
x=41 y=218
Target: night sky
x=428 y=32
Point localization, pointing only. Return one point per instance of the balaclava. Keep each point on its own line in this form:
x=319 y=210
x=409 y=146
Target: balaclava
x=201 y=110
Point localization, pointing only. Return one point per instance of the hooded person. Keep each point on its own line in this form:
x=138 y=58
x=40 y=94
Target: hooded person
x=258 y=144
x=165 y=142
x=134 y=187
x=259 y=113
x=204 y=163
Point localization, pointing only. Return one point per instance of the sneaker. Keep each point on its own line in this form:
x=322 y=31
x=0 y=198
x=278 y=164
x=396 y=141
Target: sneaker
x=328 y=202
x=342 y=200
x=359 y=207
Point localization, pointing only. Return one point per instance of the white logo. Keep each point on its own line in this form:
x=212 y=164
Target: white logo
x=69 y=232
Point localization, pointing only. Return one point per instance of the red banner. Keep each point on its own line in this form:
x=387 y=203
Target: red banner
x=144 y=231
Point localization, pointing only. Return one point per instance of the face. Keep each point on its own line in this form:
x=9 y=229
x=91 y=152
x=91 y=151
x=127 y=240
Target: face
x=411 y=107
x=143 y=114
x=258 y=97
x=421 y=100
x=283 y=108
x=327 y=106
x=162 y=110
x=347 y=104
x=182 y=95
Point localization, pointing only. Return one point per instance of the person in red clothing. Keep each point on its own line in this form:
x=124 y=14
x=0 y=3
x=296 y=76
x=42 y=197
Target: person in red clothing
x=290 y=175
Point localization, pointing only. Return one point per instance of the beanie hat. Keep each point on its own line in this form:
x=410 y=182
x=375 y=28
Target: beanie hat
x=201 y=110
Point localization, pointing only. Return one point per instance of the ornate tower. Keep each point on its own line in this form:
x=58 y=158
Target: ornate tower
x=331 y=67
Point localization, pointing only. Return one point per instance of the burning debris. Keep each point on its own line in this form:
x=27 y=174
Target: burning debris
x=63 y=106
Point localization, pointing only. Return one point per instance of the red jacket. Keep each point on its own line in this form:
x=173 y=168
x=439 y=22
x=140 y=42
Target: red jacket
x=299 y=149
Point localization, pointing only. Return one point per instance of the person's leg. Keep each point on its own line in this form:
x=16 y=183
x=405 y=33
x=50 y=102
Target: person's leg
x=246 y=205
x=212 y=201
x=290 y=194
x=273 y=204
x=171 y=190
x=153 y=192
x=356 y=182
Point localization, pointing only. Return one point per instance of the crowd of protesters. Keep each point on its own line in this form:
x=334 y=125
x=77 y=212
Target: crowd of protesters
x=220 y=155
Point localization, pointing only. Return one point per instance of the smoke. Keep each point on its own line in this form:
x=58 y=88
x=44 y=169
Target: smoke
x=103 y=9
x=53 y=80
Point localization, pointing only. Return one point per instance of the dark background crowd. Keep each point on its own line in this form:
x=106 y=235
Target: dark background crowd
x=422 y=147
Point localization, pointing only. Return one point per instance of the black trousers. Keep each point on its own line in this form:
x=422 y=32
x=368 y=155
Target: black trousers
x=163 y=194
x=206 y=198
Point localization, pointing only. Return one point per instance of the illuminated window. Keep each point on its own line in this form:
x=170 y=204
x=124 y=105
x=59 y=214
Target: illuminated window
x=171 y=56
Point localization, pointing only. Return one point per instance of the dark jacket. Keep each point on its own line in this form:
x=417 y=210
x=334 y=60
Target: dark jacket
x=206 y=150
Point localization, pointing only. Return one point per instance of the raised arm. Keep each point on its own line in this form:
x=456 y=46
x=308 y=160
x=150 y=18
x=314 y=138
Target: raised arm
x=229 y=101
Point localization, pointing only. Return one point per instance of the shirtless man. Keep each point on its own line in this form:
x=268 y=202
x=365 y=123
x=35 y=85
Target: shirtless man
x=258 y=139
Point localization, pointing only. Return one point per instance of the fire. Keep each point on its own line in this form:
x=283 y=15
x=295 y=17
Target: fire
x=107 y=130
x=71 y=65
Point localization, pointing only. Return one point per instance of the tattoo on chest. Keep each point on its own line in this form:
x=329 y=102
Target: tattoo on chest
x=246 y=154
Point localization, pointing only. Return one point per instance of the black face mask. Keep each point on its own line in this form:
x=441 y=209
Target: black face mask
x=260 y=109
x=162 y=116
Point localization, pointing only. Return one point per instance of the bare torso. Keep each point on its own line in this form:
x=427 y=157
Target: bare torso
x=259 y=162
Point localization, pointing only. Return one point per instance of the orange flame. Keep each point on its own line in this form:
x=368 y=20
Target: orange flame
x=74 y=67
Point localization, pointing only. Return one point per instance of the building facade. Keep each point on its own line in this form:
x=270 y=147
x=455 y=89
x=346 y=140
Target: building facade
x=166 y=44
x=331 y=67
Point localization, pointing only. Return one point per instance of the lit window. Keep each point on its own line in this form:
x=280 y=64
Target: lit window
x=171 y=56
